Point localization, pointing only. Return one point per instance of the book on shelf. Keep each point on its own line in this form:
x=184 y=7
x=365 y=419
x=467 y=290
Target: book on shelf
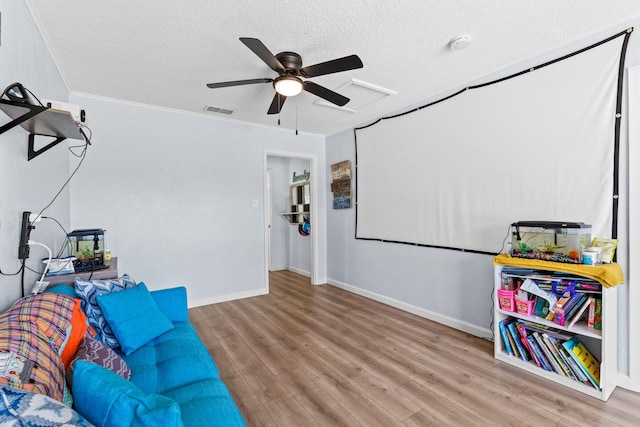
x=578 y=314
x=564 y=314
x=505 y=335
x=595 y=314
x=525 y=342
x=559 y=312
x=579 y=373
x=541 y=308
x=564 y=299
x=532 y=326
x=583 y=357
x=517 y=351
x=517 y=339
x=551 y=345
x=539 y=353
x=552 y=360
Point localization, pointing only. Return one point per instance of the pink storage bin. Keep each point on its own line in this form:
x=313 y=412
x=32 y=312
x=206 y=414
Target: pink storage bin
x=525 y=306
x=507 y=300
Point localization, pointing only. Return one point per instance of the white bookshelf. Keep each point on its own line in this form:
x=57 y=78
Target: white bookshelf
x=601 y=343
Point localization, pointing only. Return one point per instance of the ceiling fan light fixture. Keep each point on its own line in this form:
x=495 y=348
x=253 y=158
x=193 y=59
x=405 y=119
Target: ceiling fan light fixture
x=288 y=85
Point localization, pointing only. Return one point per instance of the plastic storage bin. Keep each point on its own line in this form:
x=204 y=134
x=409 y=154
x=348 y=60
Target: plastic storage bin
x=507 y=300
x=525 y=306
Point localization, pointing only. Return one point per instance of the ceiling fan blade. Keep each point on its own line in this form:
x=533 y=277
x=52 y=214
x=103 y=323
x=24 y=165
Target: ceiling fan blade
x=325 y=93
x=238 y=83
x=335 y=66
x=276 y=104
x=263 y=53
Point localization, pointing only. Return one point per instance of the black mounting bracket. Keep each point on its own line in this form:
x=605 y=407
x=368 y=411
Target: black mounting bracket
x=32 y=153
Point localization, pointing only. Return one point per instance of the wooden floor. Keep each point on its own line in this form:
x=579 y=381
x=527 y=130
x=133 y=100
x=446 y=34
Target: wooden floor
x=317 y=355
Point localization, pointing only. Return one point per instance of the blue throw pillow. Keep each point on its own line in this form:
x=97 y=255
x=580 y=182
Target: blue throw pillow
x=108 y=400
x=88 y=291
x=134 y=317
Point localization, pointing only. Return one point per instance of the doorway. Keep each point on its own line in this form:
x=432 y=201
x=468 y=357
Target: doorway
x=285 y=247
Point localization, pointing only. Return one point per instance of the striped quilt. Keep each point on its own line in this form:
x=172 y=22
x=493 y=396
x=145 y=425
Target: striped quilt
x=36 y=328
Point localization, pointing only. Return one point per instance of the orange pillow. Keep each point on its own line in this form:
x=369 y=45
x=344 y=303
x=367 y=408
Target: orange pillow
x=76 y=333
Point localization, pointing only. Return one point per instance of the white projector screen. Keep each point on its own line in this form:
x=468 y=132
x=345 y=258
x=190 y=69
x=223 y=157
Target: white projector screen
x=538 y=145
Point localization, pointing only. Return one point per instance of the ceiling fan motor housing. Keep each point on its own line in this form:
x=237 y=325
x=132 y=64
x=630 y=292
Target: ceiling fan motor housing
x=291 y=61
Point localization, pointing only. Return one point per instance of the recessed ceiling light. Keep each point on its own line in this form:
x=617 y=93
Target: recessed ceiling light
x=459 y=42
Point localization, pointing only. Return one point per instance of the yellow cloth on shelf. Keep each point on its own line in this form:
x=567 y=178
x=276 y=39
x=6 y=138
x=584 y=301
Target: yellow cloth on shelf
x=609 y=275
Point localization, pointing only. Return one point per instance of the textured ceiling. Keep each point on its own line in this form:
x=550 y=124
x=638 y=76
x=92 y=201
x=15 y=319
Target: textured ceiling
x=163 y=52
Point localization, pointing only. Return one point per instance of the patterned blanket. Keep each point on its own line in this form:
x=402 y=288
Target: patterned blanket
x=36 y=328
x=20 y=408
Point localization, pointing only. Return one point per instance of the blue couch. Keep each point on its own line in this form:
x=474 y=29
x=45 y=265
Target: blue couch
x=173 y=381
x=179 y=366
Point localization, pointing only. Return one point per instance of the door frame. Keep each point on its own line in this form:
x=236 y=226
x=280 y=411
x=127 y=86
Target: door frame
x=316 y=225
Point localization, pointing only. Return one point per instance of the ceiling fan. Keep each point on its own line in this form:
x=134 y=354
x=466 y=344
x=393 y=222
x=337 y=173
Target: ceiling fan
x=289 y=67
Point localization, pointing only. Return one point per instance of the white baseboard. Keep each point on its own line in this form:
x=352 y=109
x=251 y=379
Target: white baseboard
x=427 y=314
x=625 y=382
x=300 y=272
x=228 y=297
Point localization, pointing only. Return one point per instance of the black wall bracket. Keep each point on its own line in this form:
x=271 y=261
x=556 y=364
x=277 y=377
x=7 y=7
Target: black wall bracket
x=32 y=152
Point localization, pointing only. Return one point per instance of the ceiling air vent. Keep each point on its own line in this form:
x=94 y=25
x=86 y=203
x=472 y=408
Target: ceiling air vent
x=210 y=109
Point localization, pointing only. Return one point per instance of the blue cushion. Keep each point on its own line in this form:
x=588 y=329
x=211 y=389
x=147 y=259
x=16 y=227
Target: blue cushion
x=63 y=289
x=88 y=291
x=133 y=317
x=207 y=403
x=107 y=399
x=173 y=303
x=159 y=365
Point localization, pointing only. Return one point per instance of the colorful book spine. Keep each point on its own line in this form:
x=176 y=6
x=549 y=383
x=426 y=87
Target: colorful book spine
x=552 y=361
x=561 y=313
x=587 y=362
x=597 y=324
x=512 y=341
x=566 y=370
x=577 y=315
x=559 y=304
x=580 y=375
x=516 y=338
x=525 y=343
x=505 y=337
x=539 y=354
x=541 y=308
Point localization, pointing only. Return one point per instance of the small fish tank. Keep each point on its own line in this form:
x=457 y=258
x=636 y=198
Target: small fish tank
x=550 y=240
x=87 y=246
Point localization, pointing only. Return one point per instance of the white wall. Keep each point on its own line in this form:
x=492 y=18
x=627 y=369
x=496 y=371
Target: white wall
x=175 y=193
x=632 y=302
x=28 y=186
